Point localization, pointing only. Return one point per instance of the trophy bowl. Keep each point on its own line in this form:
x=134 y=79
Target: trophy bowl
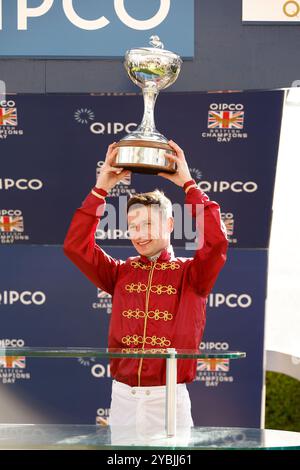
x=152 y=69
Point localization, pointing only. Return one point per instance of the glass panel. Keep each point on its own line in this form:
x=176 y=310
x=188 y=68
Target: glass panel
x=122 y=352
x=28 y=436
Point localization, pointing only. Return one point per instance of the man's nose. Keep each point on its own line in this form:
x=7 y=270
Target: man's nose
x=141 y=235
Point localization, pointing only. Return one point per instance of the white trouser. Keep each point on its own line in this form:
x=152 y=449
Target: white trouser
x=141 y=411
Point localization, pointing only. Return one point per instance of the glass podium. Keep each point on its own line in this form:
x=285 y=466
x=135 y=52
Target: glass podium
x=170 y=354
x=95 y=437
x=31 y=436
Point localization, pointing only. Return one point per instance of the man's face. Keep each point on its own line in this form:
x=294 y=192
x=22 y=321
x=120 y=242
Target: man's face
x=149 y=229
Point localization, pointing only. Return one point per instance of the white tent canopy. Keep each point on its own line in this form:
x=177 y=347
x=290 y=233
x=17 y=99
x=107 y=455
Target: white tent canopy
x=282 y=334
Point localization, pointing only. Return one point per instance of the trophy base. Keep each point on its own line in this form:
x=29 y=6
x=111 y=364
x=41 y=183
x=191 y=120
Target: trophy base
x=142 y=156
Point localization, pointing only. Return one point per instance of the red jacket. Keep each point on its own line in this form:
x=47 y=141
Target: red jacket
x=156 y=304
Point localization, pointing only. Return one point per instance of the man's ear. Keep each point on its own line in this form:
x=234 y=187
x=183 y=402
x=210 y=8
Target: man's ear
x=170 y=224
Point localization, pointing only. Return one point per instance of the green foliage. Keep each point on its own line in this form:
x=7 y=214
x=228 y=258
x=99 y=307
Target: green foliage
x=282 y=402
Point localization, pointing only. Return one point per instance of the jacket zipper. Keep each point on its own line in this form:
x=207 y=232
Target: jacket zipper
x=146 y=318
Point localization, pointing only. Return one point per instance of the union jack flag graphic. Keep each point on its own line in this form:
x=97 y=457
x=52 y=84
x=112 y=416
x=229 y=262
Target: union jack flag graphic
x=225 y=119
x=12 y=362
x=213 y=365
x=11 y=223
x=8 y=117
x=101 y=294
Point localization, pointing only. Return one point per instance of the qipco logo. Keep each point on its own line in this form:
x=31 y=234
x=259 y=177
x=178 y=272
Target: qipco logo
x=112 y=127
x=22 y=184
x=234 y=186
x=4 y=103
x=25 y=12
x=219 y=346
x=101 y=371
x=10 y=297
x=291 y=8
x=13 y=343
x=226 y=107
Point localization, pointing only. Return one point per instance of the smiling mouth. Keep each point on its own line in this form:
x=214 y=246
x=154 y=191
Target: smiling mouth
x=144 y=243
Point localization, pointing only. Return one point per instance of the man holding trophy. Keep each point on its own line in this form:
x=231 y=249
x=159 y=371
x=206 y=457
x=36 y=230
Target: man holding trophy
x=159 y=300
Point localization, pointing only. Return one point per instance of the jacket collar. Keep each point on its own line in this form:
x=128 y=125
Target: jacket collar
x=166 y=254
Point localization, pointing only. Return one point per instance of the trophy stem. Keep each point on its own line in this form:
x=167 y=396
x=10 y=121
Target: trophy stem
x=147 y=125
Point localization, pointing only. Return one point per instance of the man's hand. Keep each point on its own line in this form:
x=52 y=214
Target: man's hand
x=182 y=174
x=109 y=176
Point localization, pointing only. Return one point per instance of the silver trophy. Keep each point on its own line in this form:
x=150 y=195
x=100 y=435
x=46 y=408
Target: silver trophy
x=152 y=69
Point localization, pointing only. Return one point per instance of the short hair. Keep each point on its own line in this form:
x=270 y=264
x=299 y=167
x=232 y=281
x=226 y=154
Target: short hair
x=152 y=198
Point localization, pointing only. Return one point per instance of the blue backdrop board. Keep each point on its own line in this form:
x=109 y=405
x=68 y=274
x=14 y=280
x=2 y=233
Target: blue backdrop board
x=93 y=28
x=51 y=148
x=56 y=144
x=62 y=308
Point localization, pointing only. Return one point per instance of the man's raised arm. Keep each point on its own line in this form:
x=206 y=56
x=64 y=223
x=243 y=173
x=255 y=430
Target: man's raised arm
x=211 y=254
x=210 y=257
x=79 y=244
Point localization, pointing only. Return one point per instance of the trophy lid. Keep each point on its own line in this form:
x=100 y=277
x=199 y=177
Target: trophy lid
x=157 y=49
x=152 y=67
